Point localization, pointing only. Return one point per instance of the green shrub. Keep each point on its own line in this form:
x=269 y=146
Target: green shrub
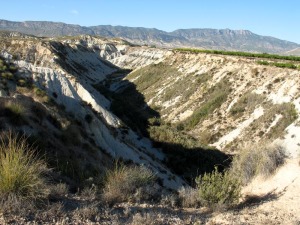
x=285 y=65
x=218 y=189
x=21 y=172
x=266 y=63
x=257 y=160
x=123 y=182
x=41 y=94
x=22 y=82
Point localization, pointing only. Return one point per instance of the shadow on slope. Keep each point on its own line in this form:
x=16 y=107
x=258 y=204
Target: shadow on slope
x=185 y=156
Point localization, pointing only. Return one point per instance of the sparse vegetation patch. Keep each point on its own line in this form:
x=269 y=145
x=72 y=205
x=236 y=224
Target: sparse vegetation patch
x=289 y=115
x=212 y=100
x=247 y=102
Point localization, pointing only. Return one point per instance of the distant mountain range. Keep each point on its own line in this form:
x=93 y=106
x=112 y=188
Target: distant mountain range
x=224 y=39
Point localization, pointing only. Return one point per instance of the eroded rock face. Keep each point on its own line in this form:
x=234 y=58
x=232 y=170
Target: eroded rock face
x=68 y=69
x=223 y=101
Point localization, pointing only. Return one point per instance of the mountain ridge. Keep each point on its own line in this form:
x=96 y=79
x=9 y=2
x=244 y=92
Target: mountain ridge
x=206 y=38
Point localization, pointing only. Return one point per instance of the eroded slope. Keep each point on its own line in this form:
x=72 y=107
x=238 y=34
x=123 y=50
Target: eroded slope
x=224 y=101
x=66 y=70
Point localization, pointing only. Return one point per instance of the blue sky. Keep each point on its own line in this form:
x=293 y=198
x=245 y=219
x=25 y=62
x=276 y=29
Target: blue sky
x=277 y=18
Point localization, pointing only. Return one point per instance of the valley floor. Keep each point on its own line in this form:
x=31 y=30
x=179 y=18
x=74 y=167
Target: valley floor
x=272 y=201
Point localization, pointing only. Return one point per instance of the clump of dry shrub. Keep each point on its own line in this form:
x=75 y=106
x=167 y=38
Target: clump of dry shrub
x=189 y=197
x=258 y=160
x=128 y=183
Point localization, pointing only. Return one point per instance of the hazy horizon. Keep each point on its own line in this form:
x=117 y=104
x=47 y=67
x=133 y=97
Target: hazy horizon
x=275 y=18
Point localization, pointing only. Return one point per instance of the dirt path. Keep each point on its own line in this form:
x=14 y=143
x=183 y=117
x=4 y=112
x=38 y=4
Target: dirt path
x=273 y=201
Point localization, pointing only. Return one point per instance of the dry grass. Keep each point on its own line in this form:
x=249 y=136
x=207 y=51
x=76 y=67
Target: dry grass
x=189 y=197
x=146 y=219
x=21 y=172
x=12 y=204
x=58 y=191
x=256 y=160
x=212 y=100
x=86 y=212
x=125 y=183
x=89 y=193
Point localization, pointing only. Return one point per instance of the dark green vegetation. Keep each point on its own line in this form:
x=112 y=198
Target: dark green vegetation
x=186 y=156
x=10 y=78
x=218 y=189
x=244 y=54
x=15 y=112
x=278 y=64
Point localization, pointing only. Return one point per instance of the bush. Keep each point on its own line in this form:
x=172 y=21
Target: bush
x=124 y=182
x=41 y=94
x=218 y=189
x=258 y=160
x=21 y=172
